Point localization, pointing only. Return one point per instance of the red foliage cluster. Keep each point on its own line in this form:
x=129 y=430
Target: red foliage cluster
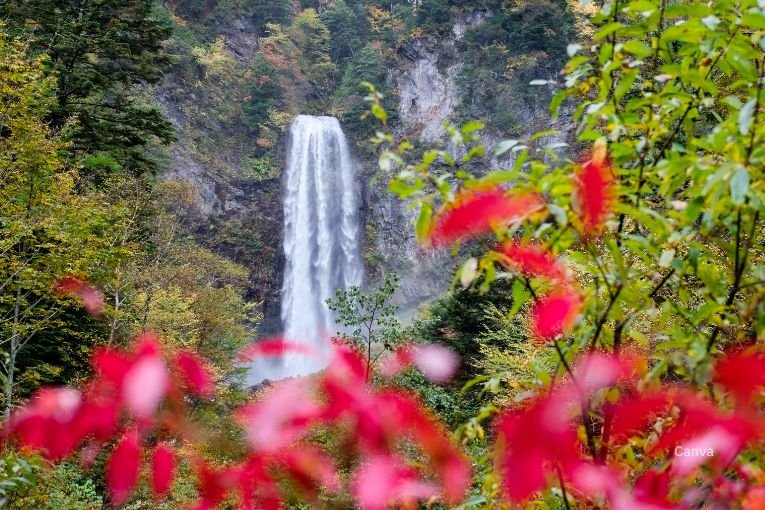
x=539 y=443
x=474 y=213
x=128 y=388
x=372 y=423
x=139 y=395
x=594 y=192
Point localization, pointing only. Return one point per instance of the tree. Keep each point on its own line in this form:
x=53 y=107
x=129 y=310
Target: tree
x=647 y=243
x=311 y=36
x=347 y=30
x=277 y=12
x=369 y=319
x=102 y=52
x=47 y=230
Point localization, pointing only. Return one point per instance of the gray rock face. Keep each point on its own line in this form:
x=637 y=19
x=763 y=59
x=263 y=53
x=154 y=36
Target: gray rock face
x=428 y=96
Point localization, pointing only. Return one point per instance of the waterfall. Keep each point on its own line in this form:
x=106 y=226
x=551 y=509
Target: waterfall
x=321 y=236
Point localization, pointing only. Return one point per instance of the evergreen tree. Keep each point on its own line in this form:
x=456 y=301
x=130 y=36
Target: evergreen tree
x=100 y=50
x=271 y=11
x=348 y=28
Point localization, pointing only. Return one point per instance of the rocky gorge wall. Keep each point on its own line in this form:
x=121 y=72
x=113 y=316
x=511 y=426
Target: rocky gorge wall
x=240 y=215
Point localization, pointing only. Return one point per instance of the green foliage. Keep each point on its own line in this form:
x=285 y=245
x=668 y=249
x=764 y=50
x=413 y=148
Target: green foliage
x=459 y=318
x=674 y=91
x=64 y=487
x=521 y=42
x=100 y=50
x=311 y=36
x=369 y=318
x=271 y=11
x=366 y=65
x=348 y=28
x=48 y=230
x=17 y=475
x=263 y=93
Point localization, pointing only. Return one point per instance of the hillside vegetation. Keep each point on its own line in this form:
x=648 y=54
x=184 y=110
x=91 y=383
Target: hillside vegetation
x=600 y=341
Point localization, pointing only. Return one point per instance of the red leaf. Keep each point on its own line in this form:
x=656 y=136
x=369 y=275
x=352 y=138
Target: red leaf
x=310 y=468
x=122 y=467
x=145 y=385
x=595 y=192
x=397 y=361
x=555 y=314
x=47 y=424
x=653 y=487
x=404 y=416
x=162 y=469
x=273 y=347
x=283 y=415
x=533 y=260
x=92 y=299
x=476 y=212
x=213 y=484
x=755 y=499
x=633 y=415
x=384 y=481
x=742 y=372
x=532 y=440
x=437 y=362
x=195 y=373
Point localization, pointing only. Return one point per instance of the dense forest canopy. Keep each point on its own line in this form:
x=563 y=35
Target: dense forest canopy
x=600 y=340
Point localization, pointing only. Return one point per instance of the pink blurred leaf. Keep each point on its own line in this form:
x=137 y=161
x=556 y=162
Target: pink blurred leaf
x=145 y=385
x=282 y=416
x=195 y=373
x=437 y=362
x=384 y=481
x=122 y=467
x=162 y=469
x=92 y=299
x=273 y=347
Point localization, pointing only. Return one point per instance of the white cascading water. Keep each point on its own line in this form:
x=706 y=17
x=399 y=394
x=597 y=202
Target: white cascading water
x=321 y=236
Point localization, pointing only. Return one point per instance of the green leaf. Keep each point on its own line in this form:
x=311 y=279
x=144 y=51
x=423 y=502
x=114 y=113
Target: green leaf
x=480 y=150
x=473 y=382
x=607 y=29
x=753 y=20
x=520 y=295
x=504 y=146
x=739 y=185
x=667 y=256
x=424 y=220
x=637 y=48
x=379 y=112
x=745 y=116
x=540 y=134
x=472 y=126
x=468 y=272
